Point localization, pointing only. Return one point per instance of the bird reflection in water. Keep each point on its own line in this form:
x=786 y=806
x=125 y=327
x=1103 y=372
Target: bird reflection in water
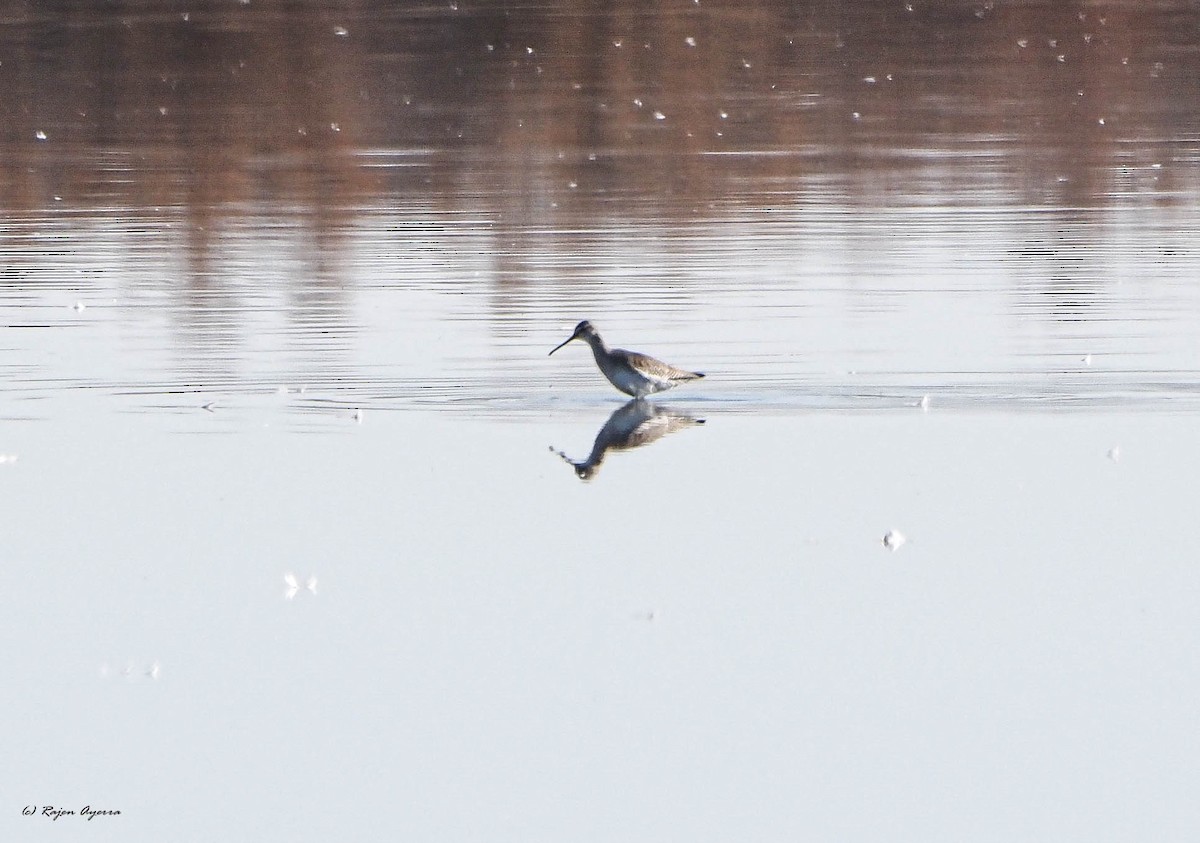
x=637 y=423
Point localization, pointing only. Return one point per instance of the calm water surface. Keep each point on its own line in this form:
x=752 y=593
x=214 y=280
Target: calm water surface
x=278 y=287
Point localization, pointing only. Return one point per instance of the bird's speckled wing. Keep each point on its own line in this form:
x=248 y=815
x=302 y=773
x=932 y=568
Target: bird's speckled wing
x=656 y=368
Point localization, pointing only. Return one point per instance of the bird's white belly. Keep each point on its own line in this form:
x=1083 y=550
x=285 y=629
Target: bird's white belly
x=632 y=382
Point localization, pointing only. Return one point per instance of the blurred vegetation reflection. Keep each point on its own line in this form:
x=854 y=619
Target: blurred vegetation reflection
x=525 y=115
x=147 y=104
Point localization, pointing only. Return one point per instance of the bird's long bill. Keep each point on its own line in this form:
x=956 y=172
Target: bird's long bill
x=557 y=347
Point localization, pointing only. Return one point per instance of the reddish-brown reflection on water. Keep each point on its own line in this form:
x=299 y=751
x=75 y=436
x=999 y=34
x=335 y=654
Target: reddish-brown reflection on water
x=678 y=105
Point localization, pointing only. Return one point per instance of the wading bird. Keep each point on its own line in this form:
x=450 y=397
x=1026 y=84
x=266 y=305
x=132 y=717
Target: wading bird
x=634 y=374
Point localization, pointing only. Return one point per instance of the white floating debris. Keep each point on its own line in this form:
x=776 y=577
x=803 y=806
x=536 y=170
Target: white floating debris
x=79 y=307
x=1087 y=359
x=870 y=80
x=358 y=415
x=1022 y=43
x=1101 y=121
x=210 y=407
x=855 y=116
x=341 y=31
x=153 y=670
x=292 y=585
x=39 y=134
x=1114 y=453
x=690 y=41
x=746 y=64
x=893 y=539
x=924 y=403
x=658 y=115
x=7 y=458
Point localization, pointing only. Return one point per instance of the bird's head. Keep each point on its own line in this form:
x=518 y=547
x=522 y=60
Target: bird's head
x=583 y=330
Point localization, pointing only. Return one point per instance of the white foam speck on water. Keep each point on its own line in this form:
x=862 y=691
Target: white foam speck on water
x=894 y=539
x=292 y=585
